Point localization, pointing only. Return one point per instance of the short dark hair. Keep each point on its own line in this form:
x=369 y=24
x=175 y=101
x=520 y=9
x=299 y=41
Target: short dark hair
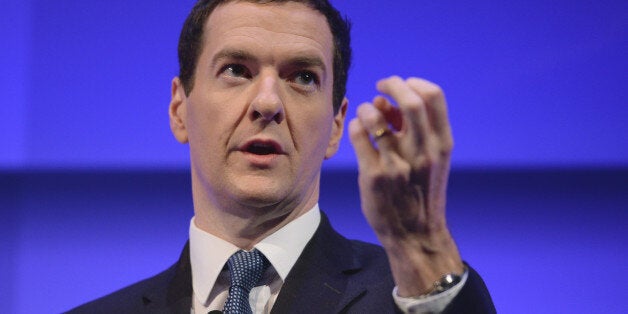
x=191 y=42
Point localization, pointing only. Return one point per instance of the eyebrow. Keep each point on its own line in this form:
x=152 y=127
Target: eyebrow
x=305 y=61
x=232 y=54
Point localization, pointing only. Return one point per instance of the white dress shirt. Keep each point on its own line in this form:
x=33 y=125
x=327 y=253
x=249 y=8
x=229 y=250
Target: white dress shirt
x=210 y=277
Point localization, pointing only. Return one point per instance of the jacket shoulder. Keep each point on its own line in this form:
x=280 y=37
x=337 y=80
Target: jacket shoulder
x=371 y=257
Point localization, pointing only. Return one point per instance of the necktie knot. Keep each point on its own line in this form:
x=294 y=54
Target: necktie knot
x=246 y=270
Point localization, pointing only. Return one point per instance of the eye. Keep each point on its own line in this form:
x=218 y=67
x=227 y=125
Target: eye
x=235 y=70
x=306 y=78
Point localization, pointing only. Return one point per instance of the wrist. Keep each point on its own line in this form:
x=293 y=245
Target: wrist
x=417 y=265
x=445 y=283
x=435 y=303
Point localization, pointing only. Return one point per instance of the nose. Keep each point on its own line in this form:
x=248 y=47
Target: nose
x=267 y=104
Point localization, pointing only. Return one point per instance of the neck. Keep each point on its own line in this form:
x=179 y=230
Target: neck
x=245 y=226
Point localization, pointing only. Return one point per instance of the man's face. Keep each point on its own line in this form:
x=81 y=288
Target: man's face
x=259 y=119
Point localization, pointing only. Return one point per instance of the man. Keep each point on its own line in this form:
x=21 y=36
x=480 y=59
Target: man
x=260 y=100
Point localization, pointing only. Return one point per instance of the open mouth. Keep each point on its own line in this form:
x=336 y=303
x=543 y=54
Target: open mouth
x=263 y=148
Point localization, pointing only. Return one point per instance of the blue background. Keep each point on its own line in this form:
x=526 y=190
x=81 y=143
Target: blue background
x=94 y=191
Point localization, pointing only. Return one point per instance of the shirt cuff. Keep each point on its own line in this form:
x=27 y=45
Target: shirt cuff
x=429 y=304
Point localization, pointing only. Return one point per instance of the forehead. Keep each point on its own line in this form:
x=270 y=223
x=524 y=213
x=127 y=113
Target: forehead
x=276 y=25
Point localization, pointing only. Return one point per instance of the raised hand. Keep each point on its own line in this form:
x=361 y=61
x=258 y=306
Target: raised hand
x=404 y=154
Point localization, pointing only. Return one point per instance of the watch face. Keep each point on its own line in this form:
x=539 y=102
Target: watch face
x=446 y=282
x=447 y=279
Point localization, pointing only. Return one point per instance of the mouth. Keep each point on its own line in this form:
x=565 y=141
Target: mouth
x=262 y=147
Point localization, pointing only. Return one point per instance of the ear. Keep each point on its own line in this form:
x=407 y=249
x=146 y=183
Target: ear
x=177 y=111
x=337 y=129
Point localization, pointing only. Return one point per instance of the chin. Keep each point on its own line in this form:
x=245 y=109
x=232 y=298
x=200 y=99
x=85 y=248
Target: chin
x=261 y=194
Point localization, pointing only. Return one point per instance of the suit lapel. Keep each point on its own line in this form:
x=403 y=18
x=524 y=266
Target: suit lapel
x=176 y=296
x=180 y=290
x=318 y=282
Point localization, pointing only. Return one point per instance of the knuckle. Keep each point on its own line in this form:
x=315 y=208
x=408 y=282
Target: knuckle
x=433 y=92
x=385 y=177
x=433 y=89
x=447 y=146
x=428 y=90
x=371 y=123
x=355 y=131
x=369 y=117
x=423 y=162
x=413 y=105
x=428 y=158
x=396 y=78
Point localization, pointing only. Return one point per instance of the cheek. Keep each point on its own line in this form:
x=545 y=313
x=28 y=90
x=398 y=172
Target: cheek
x=199 y=127
x=204 y=132
x=210 y=118
x=316 y=133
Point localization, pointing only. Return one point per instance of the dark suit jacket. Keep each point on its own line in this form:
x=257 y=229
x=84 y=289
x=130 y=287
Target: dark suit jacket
x=332 y=275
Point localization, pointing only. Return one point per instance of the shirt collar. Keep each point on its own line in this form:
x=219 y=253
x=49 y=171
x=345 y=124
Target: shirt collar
x=208 y=253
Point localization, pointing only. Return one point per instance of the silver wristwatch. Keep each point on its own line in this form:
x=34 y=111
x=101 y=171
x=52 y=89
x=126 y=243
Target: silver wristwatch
x=445 y=283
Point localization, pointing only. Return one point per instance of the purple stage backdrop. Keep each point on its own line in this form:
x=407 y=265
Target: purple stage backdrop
x=528 y=82
x=545 y=241
x=94 y=190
